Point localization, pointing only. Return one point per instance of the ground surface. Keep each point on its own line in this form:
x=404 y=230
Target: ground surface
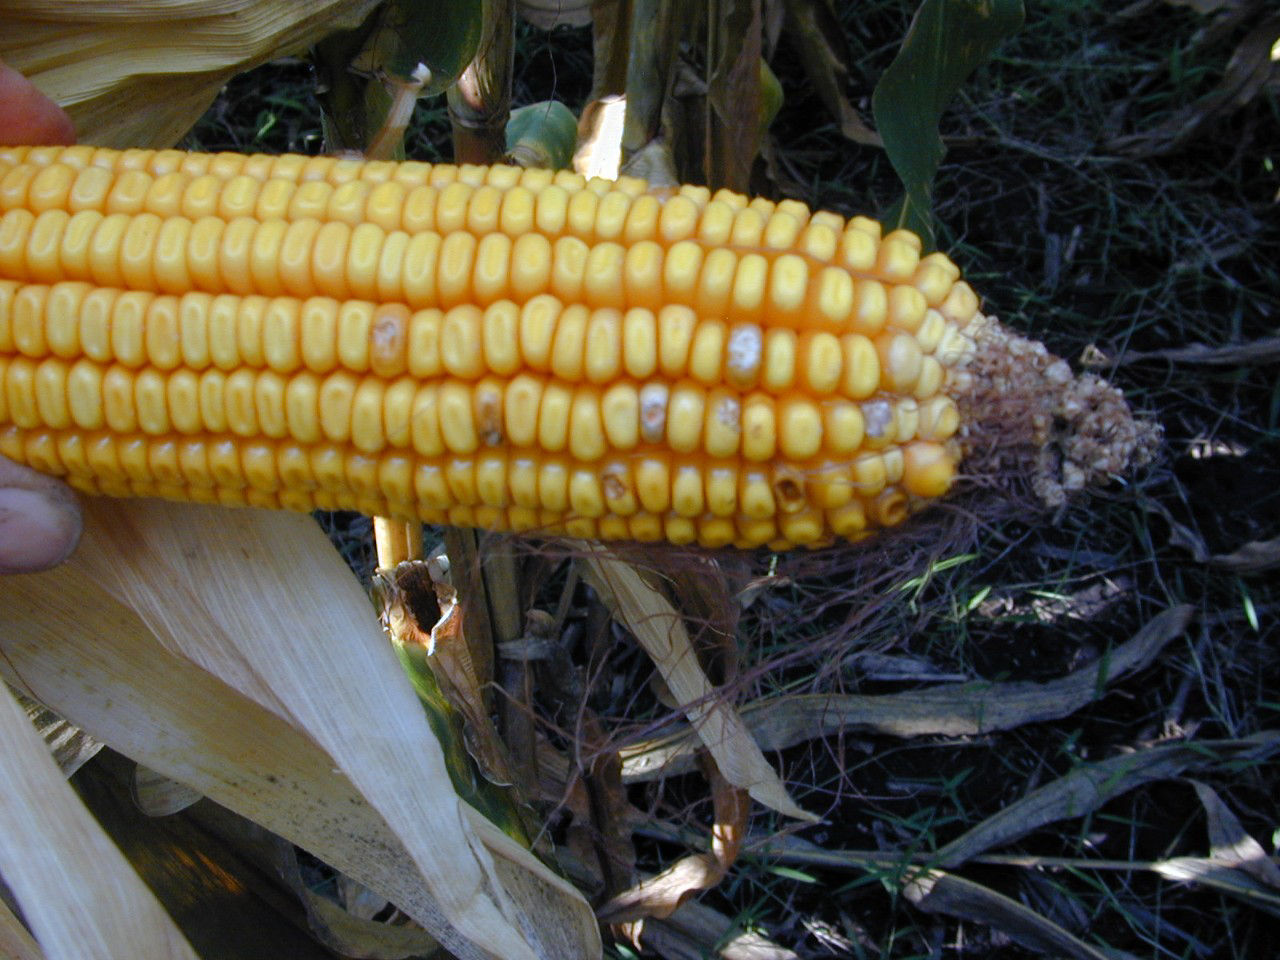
x=1082 y=223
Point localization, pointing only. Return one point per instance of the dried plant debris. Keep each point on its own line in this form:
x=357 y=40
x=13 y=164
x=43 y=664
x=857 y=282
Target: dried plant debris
x=1025 y=415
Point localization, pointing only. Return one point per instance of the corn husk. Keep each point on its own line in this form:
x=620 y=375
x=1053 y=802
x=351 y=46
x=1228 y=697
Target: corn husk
x=139 y=73
x=77 y=891
x=234 y=652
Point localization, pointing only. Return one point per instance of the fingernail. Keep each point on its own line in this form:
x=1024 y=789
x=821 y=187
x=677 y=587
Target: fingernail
x=35 y=532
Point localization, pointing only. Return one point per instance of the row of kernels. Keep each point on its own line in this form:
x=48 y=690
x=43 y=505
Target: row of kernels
x=552 y=209
x=652 y=485
x=453 y=416
x=243 y=256
x=335 y=170
x=486 y=491
x=137 y=328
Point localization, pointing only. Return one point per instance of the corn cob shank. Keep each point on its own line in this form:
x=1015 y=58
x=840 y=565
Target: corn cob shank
x=481 y=346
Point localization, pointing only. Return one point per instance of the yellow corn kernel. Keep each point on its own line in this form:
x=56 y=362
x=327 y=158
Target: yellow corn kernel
x=685 y=415
x=799 y=427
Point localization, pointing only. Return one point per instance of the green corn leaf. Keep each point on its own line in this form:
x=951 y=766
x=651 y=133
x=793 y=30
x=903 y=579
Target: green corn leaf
x=947 y=41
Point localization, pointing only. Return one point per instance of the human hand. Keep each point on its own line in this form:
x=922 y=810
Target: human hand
x=40 y=519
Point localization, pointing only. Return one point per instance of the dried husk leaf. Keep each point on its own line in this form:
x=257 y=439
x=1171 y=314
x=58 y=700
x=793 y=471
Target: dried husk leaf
x=76 y=890
x=1090 y=785
x=15 y=942
x=661 y=631
x=695 y=932
x=935 y=891
x=71 y=747
x=307 y=649
x=812 y=27
x=1230 y=844
x=662 y=895
x=969 y=709
x=156 y=795
x=1253 y=65
x=140 y=73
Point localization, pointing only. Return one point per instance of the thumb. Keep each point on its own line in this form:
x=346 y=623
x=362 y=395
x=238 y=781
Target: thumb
x=40 y=520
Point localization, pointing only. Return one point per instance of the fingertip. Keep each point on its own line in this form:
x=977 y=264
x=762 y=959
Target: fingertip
x=40 y=520
x=27 y=116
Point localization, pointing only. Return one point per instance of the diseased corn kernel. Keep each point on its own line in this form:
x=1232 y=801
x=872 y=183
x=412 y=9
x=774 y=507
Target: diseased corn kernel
x=879 y=423
x=619 y=494
x=759 y=427
x=788 y=487
x=890 y=508
x=900 y=361
x=653 y=411
x=722 y=431
x=486 y=401
x=743 y=354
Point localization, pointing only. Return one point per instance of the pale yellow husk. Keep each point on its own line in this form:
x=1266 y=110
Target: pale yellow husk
x=233 y=651
x=139 y=73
